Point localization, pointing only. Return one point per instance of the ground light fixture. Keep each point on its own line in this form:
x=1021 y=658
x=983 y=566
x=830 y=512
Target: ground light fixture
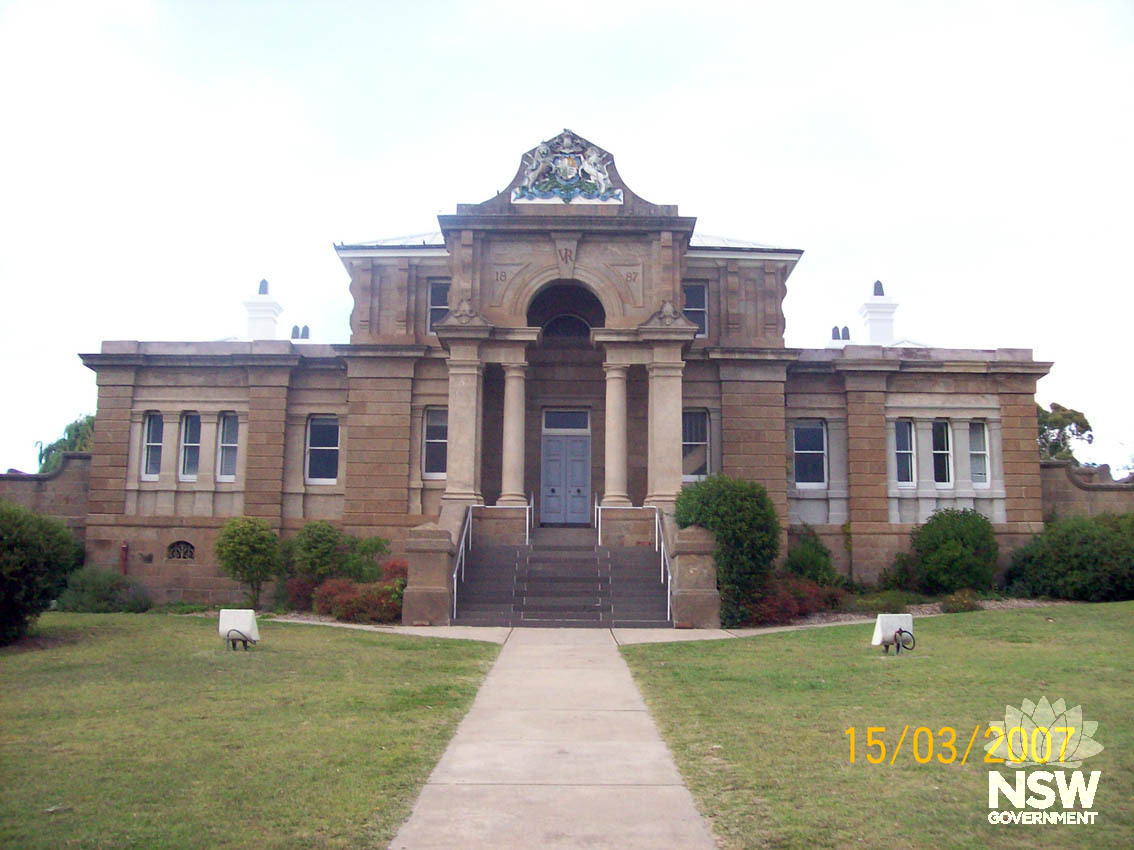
x=238 y=625
x=894 y=630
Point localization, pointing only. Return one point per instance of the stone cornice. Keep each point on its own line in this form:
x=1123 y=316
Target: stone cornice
x=543 y=222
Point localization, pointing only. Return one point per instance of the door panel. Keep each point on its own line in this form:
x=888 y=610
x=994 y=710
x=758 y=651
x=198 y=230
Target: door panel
x=578 y=479
x=552 y=501
x=565 y=482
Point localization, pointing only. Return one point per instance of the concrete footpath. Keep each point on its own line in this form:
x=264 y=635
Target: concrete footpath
x=557 y=751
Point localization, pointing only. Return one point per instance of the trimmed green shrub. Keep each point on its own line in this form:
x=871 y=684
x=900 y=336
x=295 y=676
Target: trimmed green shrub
x=900 y=575
x=963 y=600
x=37 y=553
x=321 y=551
x=954 y=549
x=809 y=558
x=1086 y=558
x=93 y=590
x=743 y=520
x=248 y=550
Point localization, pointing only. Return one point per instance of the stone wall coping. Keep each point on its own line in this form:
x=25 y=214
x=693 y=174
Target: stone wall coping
x=1077 y=478
x=876 y=358
x=694 y=540
x=68 y=458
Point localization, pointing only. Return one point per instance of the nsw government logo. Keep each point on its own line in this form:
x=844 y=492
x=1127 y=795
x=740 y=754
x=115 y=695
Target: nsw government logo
x=1042 y=747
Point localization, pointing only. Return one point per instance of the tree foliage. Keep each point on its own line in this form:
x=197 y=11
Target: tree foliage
x=77 y=437
x=321 y=551
x=743 y=520
x=248 y=550
x=1059 y=429
x=955 y=549
x=37 y=553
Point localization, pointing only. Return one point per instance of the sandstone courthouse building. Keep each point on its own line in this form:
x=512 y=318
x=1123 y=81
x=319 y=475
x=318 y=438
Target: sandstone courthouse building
x=562 y=344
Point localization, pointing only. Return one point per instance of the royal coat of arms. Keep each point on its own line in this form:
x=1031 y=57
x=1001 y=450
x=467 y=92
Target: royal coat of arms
x=566 y=169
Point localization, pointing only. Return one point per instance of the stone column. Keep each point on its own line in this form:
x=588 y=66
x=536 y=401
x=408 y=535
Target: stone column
x=614 y=487
x=462 y=474
x=512 y=450
x=664 y=438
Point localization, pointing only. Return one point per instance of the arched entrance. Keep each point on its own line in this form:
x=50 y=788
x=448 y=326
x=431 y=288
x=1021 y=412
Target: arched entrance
x=566 y=391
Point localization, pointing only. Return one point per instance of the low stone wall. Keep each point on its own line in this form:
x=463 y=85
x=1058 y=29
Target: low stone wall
x=627 y=527
x=62 y=493
x=1080 y=491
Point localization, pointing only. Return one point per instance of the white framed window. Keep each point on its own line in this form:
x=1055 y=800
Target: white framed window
x=438 y=302
x=978 y=454
x=152 y=429
x=809 y=438
x=942 y=453
x=190 y=446
x=322 y=464
x=695 y=463
x=435 y=442
x=905 y=456
x=697 y=306
x=228 y=432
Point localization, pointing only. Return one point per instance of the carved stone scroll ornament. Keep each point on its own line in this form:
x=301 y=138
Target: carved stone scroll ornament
x=465 y=312
x=668 y=313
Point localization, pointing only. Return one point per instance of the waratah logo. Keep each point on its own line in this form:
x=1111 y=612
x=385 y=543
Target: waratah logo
x=1044 y=733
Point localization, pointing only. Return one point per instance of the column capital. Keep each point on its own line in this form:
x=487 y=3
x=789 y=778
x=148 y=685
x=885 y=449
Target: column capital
x=515 y=370
x=666 y=369
x=616 y=370
x=465 y=367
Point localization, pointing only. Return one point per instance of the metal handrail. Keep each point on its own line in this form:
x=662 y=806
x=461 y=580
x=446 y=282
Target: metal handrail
x=459 y=562
x=666 y=566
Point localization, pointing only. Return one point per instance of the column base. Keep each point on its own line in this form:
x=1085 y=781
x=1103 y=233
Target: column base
x=616 y=500
x=517 y=499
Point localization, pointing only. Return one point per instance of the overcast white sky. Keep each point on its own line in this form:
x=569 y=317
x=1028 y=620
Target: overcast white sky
x=158 y=158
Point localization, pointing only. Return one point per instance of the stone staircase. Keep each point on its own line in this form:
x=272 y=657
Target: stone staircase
x=562 y=579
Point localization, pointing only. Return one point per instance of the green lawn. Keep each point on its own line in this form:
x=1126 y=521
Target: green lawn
x=757 y=726
x=143 y=731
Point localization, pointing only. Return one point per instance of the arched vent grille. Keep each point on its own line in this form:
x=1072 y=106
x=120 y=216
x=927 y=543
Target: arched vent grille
x=182 y=550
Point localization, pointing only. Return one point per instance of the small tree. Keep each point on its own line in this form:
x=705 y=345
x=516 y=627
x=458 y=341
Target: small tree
x=248 y=551
x=1059 y=427
x=77 y=437
x=743 y=520
x=37 y=553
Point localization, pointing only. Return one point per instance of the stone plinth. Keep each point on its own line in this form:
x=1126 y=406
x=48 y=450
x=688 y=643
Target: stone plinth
x=428 y=598
x=696 y=601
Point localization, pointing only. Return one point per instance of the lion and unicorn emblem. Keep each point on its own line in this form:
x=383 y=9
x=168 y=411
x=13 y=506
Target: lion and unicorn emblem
x=567 y=169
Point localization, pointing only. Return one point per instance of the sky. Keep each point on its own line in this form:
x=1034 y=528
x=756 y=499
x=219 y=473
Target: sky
x=157 y=159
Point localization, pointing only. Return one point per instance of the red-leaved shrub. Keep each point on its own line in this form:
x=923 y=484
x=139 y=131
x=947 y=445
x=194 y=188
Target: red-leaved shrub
x=396 y=568
x=787 y=597
x=299 y=590
x=373 y=603
x=331 y=593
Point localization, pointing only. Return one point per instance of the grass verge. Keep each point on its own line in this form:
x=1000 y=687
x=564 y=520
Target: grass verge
x=757 y=726
x=143 y=731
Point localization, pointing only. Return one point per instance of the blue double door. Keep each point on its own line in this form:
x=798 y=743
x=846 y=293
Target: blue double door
x=565 y=490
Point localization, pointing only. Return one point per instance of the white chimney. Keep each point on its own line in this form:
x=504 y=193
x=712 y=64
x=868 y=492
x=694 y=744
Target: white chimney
x=878 y=313
x=263 y=310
